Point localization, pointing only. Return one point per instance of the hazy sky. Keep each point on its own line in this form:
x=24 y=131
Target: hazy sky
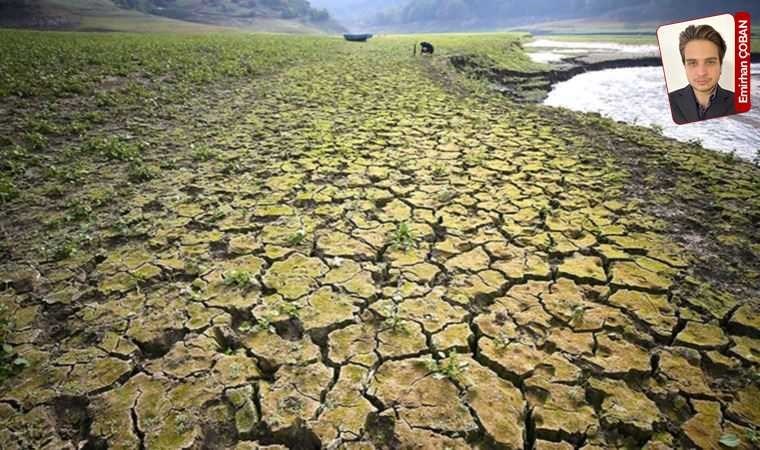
x=355 y=8
x=448 y=13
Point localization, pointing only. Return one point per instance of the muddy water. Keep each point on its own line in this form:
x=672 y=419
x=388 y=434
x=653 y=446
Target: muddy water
x=637 y=95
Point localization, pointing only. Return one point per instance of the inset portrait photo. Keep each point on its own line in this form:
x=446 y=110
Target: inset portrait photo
x=698 y=61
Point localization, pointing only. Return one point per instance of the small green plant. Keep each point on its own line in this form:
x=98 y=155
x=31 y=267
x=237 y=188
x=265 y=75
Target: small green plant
x=403 y=238
x=15 y=159
x=138 y=172
x=501 y=340
x=264 y=323
x=203 y=153
x=65 y=249
x=52 y=171
x=77 y=211
x=730 y=156
x=100 y=197
x=112 y=148
x=8 y=189
x=194 y=294
x=168 y=164
x=195 y=267
x=77 y=128
x=753 y=435
x=239 y=278
x=72 y=174
x=297 y=237
x=42 y=126
x=292 y=310
x=184 y=424
x=756 y=160
x=577 y=394
x=105 y=99
x=450 y=368
x=393 y=321
x=94 y=117
x=439 y=171
x=232 y=167
x=124 y=228
x=36 y=140
x=10 y=362
x=696 y=142
x=576 y=318
x=70 y=245
x=475 y=159
x=235 y=368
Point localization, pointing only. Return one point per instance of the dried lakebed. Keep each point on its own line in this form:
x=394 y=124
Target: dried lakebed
x=368 y=256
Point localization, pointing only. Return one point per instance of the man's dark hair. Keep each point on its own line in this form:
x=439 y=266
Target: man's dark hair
x=703 y=32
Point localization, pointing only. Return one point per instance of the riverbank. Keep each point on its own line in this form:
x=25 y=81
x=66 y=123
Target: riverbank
x=533 y=86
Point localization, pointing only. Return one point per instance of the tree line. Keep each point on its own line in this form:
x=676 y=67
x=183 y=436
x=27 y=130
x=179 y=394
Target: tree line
x=491 y=10
x=286 y=9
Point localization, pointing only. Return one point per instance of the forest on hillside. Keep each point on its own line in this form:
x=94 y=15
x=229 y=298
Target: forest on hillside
x=502 y=11
x=286 y=9
x=194 y=10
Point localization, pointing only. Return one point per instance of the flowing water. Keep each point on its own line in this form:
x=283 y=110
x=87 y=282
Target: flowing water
x=638 y=95
x=550 y=51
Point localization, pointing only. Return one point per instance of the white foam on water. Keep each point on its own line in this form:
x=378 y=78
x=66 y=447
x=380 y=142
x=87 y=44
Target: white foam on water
x=590 y=46
x=548 y=51
x=546 y=57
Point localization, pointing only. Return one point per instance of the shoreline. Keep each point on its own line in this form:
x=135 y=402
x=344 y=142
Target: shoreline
x=533 y=87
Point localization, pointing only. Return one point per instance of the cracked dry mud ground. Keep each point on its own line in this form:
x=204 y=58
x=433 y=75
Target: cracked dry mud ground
x=258 y=299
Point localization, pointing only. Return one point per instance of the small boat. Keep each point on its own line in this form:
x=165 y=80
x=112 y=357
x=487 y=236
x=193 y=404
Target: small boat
x=357 y=37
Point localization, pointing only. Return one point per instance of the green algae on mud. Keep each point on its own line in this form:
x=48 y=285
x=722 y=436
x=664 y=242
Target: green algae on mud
x=537 y=253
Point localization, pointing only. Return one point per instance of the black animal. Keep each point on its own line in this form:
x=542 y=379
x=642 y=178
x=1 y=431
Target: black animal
x=426 y=47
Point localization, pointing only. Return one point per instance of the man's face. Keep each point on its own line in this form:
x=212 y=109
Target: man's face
x=702 y=64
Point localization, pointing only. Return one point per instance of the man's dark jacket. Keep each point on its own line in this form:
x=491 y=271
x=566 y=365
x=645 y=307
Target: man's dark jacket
x=683 y=105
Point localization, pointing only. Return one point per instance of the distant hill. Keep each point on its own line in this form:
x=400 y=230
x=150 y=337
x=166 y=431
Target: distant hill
x=458 y=15
x=166 y=15
x=356 y=14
